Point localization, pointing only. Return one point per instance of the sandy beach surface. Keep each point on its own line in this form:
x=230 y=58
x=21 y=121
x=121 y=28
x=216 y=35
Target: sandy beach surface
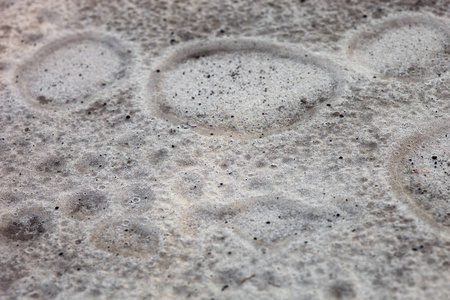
x=225 y=149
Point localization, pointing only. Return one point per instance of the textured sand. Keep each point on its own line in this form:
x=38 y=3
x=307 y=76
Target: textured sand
x=224 y=150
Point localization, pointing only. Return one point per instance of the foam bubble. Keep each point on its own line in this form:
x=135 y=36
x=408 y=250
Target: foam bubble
x=71 y=70
x=135 y=238
x=406 y=47
x=421 y=175
x=430 y=187
x=244 y=87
